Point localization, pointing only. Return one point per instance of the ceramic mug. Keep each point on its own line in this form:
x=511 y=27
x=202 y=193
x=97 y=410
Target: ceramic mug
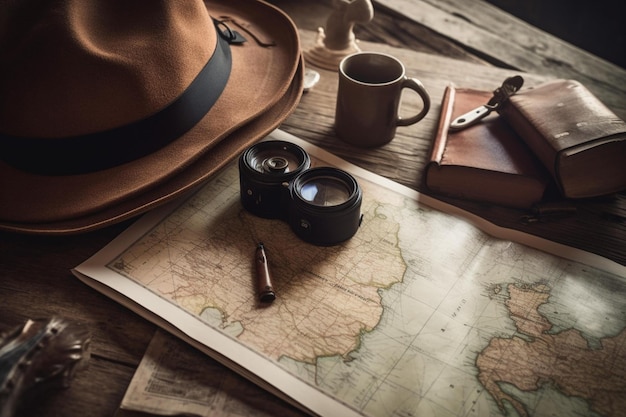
x=368 y=98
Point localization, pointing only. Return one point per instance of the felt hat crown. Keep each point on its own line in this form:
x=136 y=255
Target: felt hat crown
x=111 y=107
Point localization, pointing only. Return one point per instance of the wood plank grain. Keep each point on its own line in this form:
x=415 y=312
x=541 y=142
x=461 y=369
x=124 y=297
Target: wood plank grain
x=509 y=42
x=386 y=28
x=35 y=282
x=401 y=159
x=600 y=224
x=95 y=392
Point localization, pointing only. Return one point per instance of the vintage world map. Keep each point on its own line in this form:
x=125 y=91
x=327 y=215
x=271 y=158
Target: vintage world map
x=419 y=314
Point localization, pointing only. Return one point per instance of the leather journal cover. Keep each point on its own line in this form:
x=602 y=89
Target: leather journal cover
x=485 y=162
x=578 y=139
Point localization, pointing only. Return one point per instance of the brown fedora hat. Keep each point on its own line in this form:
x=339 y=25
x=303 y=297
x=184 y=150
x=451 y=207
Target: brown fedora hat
x=186 y=181
x=109 y=108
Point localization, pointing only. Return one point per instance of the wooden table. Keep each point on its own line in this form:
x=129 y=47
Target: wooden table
x=439 y=42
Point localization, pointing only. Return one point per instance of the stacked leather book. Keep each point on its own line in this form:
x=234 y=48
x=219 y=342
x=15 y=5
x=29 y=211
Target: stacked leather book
x=556 y=139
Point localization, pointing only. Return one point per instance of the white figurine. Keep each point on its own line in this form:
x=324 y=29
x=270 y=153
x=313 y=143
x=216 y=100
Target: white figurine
x=337 y=40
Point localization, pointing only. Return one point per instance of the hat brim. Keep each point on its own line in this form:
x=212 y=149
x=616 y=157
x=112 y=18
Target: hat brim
x=264 y=87
x=179 y=185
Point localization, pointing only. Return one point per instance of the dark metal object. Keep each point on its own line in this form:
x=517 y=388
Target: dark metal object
x=322 y=205
x=40 y=352
x=500 y=95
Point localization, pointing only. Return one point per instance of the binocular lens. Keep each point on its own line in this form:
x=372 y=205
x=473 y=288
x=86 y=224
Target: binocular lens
x=326 y=206
x=322 y=205
x=265 y=170
x=325 y=191
x=275 y=161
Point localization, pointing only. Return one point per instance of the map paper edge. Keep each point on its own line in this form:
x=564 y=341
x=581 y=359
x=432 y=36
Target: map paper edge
x=128 y=293
x=548 y=246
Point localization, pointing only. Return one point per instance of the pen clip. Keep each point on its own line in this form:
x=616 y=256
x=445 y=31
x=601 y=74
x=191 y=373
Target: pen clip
x=471 y=117
x=500 y=95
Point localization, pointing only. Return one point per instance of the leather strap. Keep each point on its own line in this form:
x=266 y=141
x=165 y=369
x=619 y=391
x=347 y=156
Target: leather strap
x=96 y=151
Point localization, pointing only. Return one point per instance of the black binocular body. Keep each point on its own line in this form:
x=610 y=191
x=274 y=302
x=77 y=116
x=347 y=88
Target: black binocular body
x=322 y=205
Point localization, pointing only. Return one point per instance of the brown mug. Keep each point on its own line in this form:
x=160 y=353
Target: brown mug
x=368 y=98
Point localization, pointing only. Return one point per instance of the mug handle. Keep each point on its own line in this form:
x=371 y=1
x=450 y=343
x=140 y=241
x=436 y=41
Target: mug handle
x=418 y=87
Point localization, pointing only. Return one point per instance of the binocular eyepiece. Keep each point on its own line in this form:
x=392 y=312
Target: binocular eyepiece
x=321 y=205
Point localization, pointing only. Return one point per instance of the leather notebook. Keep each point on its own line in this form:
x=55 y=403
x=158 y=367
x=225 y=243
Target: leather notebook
x=578 y=139
x=486 y=162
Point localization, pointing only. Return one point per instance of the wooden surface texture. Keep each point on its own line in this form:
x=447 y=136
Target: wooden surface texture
x=599 y=225
x=469 y=43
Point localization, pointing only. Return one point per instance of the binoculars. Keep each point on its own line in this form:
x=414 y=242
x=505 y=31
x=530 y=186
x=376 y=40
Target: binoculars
x=322 y=205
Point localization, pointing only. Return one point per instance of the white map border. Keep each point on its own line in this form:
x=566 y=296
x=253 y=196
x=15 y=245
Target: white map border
x=249 y=363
